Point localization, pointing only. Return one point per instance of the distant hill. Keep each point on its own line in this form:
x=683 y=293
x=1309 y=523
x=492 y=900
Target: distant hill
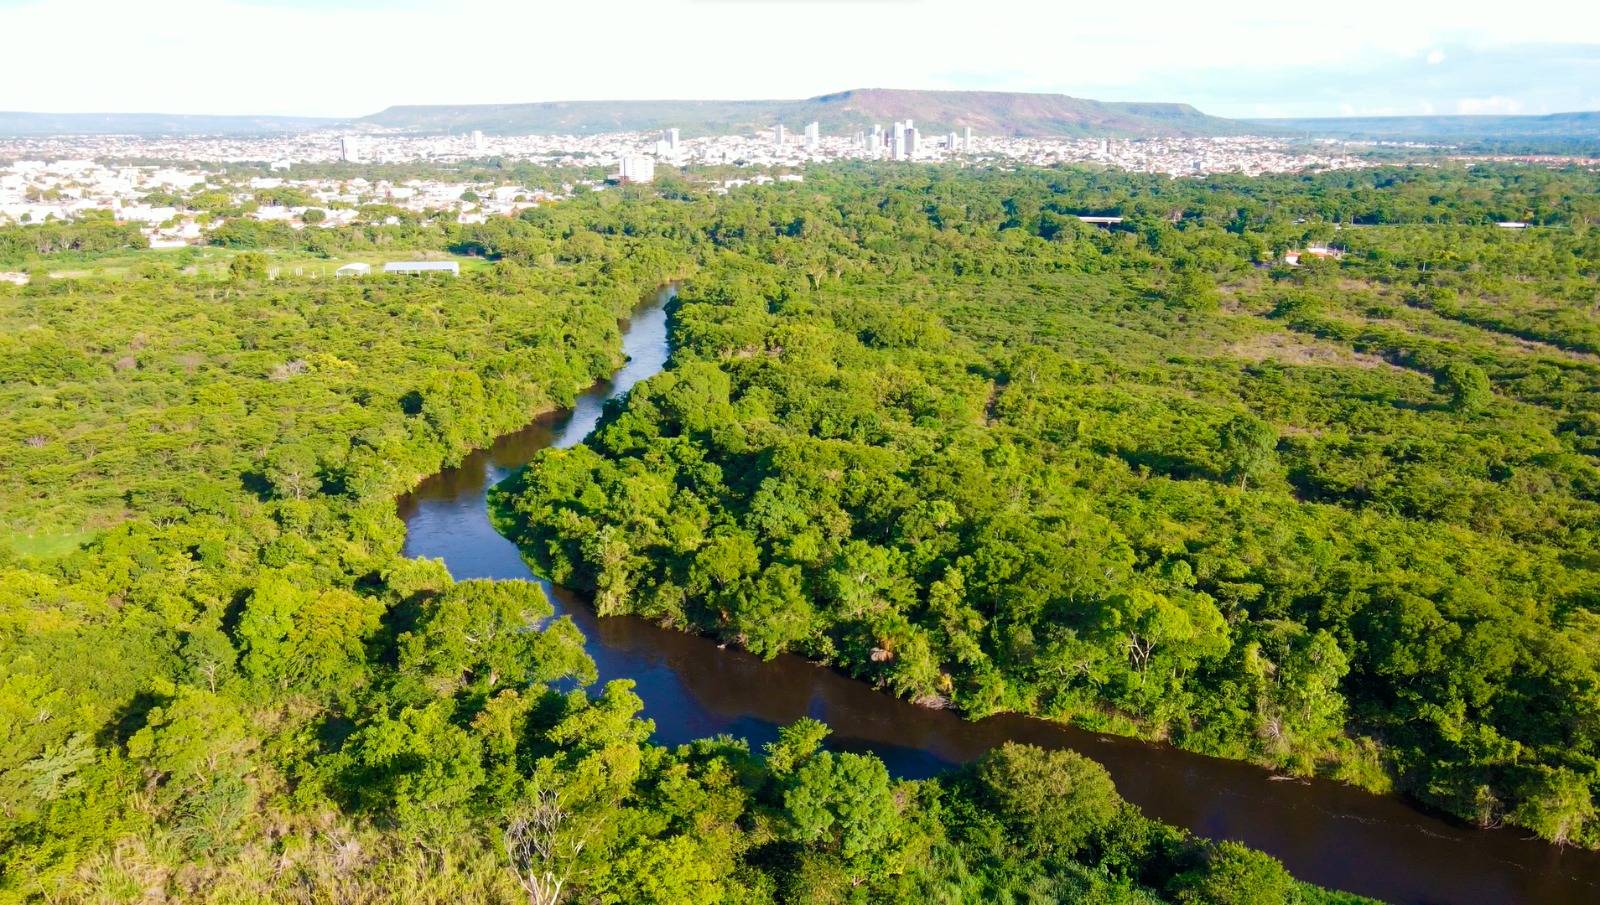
x=987 y=112
x=40 y=124
x=1558 y=129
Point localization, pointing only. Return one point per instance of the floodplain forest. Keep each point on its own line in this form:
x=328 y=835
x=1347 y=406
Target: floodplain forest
x=926 y=426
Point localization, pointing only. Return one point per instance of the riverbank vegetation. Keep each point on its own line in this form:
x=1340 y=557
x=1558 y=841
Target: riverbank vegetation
x=1339 y=518
x=220 y=681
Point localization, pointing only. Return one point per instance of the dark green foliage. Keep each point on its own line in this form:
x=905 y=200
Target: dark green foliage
x=920 y=423
x=20 y=244
x=908 y=432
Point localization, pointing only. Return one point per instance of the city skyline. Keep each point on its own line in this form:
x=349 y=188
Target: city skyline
x=290 y=57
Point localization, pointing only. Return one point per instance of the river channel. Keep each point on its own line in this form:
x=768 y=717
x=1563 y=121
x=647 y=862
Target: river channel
x=1325 y=832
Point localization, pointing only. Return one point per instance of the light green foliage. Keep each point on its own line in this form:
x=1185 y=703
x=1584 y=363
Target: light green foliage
x=1051 y=801
x=493 y=634
x=796 y=743
x=238 y=659
x=921 y=423
x=1466 y=385
x=295 y=638
x=1556 y=803
x=192 y=736
x=840 y=797
x=248 y=266
x=1249 y=448
x=418 y=765
x=1234 y=875
x=924 y=428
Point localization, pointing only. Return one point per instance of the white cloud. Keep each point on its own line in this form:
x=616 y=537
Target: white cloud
x=1435 y=57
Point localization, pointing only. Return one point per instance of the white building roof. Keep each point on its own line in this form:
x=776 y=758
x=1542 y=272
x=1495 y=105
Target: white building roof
x=422 y=267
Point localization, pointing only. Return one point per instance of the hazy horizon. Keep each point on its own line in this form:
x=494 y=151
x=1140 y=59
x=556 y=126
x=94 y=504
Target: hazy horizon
x=349 y=58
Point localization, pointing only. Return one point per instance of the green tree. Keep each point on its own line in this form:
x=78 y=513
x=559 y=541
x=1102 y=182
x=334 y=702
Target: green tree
x=1193 y=289
x=249 y=265
x=298 y=638
x=1052 y=802
x=1557 y=804
x=1249 y=448
x=493 y=633
x=292 y=471
x=1466 y=385
x=846 y=803
x=191 y=737
x=1232 y=874
x=795 y=745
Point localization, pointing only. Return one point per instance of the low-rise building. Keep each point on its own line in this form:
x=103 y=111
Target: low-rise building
x=420 y=267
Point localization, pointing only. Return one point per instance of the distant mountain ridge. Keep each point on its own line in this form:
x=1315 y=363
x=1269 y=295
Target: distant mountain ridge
x=993 y=113
x=986 y=112
x=1576 y=126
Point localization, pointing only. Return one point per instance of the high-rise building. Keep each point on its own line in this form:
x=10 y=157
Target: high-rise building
x=778 y=137
x=950 y=143
x=912 y=137
x=966 y=144
x=637 y=168
x=478 y=143
x=813 y=136
x=351 y=149
x=899 y=139
x=875 y=141
x=670 y=136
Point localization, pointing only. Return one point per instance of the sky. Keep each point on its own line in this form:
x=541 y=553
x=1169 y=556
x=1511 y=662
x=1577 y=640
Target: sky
x=1244 y=58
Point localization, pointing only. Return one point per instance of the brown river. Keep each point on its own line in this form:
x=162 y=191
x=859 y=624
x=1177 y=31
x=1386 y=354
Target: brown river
x=1327 y=833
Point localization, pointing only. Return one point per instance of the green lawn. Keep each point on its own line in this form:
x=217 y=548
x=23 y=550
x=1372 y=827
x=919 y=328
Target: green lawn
x=47 y=545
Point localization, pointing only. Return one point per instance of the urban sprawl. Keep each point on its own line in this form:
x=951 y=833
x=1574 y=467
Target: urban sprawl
x=67 y=177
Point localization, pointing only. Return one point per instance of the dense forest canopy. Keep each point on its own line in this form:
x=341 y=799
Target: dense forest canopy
x=924 y=424
x=220 y=680
x=1339 y=518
